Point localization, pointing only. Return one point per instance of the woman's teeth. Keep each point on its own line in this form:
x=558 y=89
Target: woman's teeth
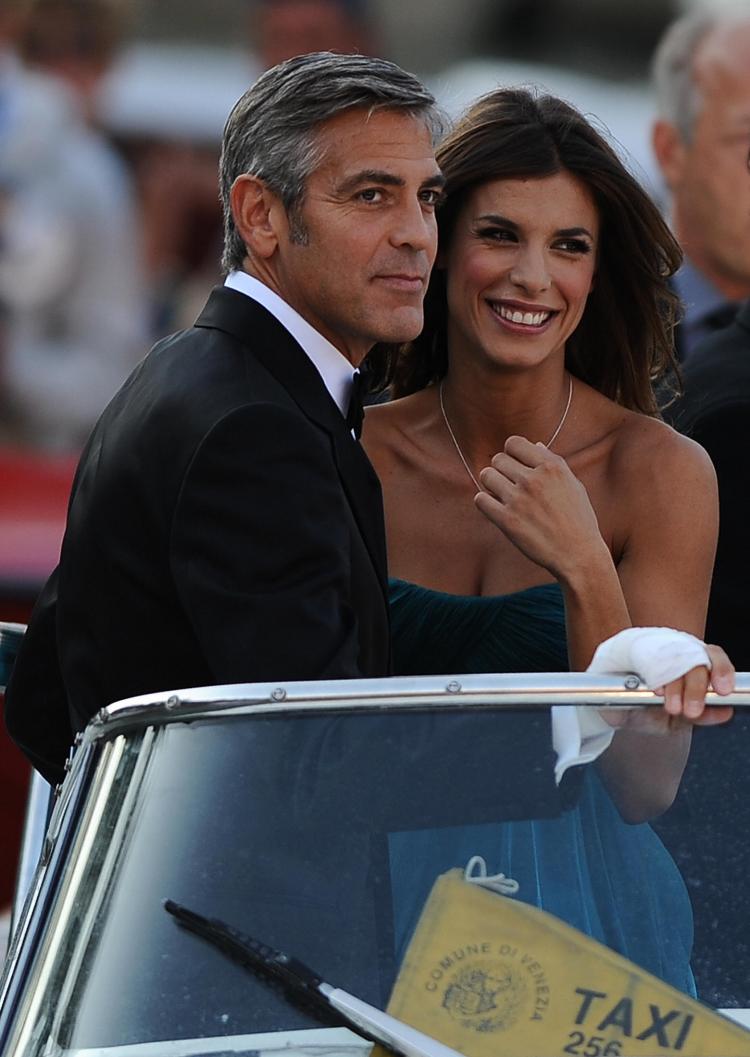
x=529 y=319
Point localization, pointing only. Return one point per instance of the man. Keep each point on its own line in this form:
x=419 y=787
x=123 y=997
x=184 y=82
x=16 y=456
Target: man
x=225 y=525
x=702 y=74
x=715 y=411
x=702 y=77
x=706 y=829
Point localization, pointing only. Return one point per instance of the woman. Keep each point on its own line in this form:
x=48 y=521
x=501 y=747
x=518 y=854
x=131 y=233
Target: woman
x=535 y=503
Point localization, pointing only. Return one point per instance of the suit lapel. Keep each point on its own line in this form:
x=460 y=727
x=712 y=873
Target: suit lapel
x=363 y=490
x=234 y=313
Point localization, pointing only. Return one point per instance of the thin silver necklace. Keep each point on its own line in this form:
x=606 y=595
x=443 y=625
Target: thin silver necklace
x=457 y=446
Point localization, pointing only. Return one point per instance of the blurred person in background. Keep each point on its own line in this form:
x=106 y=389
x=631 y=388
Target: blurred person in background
x=76 y=41
x=73 y=312
x=70 y=323
x=181 y=215
x=283 y=28
x=701 y=72
x=706 y=829
x=715 y=411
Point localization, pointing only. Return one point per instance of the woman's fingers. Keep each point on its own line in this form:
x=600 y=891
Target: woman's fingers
x=686 y=696
x=496 y=485
x=684 y=700
x=514 y=464
x=523 y=451
x=534 y=498
x=657 y=721
x=722 y=670
x=714 y=715
x=506 y=466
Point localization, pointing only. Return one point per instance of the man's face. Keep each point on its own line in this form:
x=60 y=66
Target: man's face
x=360 y=271
x=709 y=176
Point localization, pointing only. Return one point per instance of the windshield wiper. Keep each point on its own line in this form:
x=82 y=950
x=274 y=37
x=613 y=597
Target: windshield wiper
x=302 y=985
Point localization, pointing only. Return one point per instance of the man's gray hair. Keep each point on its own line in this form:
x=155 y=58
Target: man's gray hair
x=272 y=130
x=677 y=95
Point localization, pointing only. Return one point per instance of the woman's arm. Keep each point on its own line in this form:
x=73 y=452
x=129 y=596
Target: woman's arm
x=535 y=499
x=664 y=499
x=665 y=573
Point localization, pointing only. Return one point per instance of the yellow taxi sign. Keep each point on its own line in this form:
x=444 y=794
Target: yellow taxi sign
x=493 y=977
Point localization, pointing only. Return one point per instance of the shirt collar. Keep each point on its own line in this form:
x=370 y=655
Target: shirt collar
x=333 y=367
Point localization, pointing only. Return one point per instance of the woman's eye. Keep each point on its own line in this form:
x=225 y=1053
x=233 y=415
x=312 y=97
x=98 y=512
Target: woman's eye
x=497 y=234
x=574 y=246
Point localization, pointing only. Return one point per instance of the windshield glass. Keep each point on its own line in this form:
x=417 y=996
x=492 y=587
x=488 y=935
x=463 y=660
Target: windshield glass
x=324 y=835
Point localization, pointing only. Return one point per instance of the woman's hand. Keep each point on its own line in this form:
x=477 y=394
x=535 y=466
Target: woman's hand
x=535 y=499
x=643 y=772
x=684 y=700
x=686 y=697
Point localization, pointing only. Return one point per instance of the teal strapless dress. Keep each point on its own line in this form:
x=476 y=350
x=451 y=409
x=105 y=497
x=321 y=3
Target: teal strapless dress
x=611 y=880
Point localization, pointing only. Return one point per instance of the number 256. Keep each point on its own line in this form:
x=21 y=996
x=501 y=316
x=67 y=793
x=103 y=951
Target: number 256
x=595 y=1046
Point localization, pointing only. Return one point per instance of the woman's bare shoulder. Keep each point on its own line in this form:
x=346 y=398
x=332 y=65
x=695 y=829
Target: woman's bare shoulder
x=390 y=428
x=650 y=452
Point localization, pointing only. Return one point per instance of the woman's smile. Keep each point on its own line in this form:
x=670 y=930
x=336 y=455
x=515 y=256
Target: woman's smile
x=520 y=267
x=519 y=318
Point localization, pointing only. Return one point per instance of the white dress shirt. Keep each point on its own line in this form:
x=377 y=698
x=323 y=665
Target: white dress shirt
x=332 y=366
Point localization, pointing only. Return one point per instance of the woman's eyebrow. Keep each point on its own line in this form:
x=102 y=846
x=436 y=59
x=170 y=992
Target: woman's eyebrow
x=572 y=232
x=506 y=222
x=496 y=218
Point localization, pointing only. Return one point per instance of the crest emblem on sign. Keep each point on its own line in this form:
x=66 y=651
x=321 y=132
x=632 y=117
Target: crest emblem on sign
x=485 y=996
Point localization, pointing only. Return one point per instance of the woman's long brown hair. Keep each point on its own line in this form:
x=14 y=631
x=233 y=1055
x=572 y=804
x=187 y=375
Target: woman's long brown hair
x=623 y=345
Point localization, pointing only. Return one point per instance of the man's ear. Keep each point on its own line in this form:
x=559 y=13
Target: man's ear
x=670 y=152
x=256 y=215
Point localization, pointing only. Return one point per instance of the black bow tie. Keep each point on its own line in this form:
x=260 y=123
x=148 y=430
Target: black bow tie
x=356 y=413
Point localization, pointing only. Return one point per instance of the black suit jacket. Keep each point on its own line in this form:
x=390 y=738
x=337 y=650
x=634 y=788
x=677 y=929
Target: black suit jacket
x=715 y=411
x=703 y=327
x=706 y=829
x=224 y=526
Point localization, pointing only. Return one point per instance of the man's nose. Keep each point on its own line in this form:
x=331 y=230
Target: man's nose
x=416 y=227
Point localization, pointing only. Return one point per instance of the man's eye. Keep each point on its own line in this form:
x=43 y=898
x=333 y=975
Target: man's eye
x=370 y=194
x=432 y=197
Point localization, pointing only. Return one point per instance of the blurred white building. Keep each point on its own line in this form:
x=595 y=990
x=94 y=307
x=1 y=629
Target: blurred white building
x=622 y=111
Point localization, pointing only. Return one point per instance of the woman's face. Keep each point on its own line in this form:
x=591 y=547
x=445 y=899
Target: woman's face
x=520 y=267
